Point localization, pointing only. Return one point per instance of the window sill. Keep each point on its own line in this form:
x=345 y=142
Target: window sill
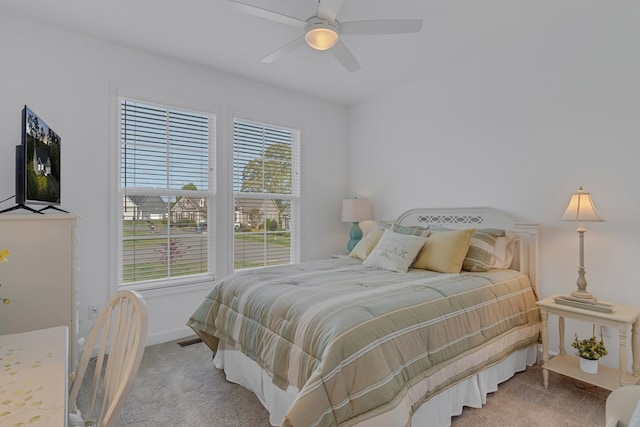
x=172 y=286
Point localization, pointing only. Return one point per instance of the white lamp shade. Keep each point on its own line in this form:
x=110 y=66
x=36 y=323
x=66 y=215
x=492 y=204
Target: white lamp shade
x=356 y=210
x=581 y=208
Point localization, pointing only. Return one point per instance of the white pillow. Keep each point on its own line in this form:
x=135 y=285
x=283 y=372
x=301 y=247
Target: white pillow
x=395 y=251
x=505 y=248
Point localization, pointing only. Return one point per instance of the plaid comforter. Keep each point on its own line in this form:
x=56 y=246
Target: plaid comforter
x=359 y=341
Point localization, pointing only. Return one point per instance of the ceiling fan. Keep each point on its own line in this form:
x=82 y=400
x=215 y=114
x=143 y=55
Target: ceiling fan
x=322 y=31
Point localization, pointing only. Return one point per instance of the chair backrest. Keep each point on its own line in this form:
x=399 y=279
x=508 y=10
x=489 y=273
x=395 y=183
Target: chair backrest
x=623 y=407
x=118 y=336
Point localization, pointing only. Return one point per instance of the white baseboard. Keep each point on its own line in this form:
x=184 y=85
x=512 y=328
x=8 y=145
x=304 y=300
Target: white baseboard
x=171 y=335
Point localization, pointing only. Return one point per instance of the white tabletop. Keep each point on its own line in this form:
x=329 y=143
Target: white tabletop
x=620 y=313
x=33 y=378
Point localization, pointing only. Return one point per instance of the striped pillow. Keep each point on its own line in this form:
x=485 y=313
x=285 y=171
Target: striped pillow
x=411 y=230
x=488 y=251
x=414 y=230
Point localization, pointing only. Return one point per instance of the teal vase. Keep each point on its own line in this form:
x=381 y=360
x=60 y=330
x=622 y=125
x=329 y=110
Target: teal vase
x=355 y=234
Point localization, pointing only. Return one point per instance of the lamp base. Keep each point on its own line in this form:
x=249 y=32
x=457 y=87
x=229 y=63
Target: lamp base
x=355 y=234
x=583 y=295
x=581 y=284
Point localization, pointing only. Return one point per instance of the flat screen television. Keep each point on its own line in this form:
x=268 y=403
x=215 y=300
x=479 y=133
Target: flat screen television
x=37 y=163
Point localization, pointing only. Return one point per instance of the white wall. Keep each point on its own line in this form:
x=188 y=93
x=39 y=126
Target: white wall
x=71 y=81
x=519 y=125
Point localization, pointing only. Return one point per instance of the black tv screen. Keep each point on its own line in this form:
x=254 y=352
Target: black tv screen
x=37 y=162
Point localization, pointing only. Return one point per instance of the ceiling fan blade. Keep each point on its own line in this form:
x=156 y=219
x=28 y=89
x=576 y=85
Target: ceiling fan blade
x=292 y=45
x=342 y=53
x=328 y=9
x=267 y=14
x=382 y=26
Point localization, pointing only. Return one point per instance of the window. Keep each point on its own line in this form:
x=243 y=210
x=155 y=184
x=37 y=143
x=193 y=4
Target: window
x=266 y=185
x=165 y=182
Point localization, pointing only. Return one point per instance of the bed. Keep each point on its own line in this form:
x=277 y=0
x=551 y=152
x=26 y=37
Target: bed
x=350 y=341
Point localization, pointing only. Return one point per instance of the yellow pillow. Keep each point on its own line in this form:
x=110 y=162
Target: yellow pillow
x=363 y=248
x=444 y=251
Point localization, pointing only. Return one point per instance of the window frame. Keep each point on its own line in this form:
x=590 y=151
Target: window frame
x=294 y=197
x=209 y=194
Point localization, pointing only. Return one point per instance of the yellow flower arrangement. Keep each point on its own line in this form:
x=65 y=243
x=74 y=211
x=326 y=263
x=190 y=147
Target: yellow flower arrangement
x=4 y=254
x=590 y=348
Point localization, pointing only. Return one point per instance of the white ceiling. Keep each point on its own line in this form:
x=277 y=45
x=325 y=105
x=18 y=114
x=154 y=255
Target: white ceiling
x=215 y=34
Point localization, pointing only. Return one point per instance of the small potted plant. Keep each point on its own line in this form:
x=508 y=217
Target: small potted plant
x=590 y=350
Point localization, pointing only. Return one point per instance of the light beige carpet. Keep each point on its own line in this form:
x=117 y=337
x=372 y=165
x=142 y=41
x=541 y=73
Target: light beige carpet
x=179 y=386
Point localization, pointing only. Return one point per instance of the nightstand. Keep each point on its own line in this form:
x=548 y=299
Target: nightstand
x=620 y=319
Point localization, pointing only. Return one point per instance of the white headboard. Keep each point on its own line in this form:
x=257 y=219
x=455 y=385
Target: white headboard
x=526 y=257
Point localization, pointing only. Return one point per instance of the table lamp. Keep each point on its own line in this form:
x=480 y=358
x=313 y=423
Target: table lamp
x=581 y=209
x=354 y=211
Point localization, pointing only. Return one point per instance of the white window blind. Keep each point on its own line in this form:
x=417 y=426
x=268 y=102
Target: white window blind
x=164 y=183
x=266 y=184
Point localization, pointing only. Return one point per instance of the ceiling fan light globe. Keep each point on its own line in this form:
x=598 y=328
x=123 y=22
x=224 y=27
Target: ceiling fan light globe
x=321 y=38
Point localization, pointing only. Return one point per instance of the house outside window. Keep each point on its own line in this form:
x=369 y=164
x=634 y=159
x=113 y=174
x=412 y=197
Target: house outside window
x=165 y=186
x=266 y=185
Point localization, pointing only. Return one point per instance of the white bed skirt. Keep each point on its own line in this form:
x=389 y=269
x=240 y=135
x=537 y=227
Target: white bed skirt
x=437 y=411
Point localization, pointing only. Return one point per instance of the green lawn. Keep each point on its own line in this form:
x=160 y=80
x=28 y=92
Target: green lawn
x=158 y=270
x=277 y=238
x=139 y=237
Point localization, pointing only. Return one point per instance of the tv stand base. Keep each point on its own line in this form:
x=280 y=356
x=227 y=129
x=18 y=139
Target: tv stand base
x=21 y=206
x=52 y=207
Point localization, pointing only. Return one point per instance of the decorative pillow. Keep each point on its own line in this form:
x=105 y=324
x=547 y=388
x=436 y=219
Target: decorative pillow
x=505 y=249
x=486 y=251
x=386 y=225
x=363 y=248
x=439 y=227
x=496 y=232
x=414 y=230
x=395 y=251
x=444 y=251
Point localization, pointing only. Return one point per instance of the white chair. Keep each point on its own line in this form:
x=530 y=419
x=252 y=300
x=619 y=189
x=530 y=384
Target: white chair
x=623 y=408
x=118 y=336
